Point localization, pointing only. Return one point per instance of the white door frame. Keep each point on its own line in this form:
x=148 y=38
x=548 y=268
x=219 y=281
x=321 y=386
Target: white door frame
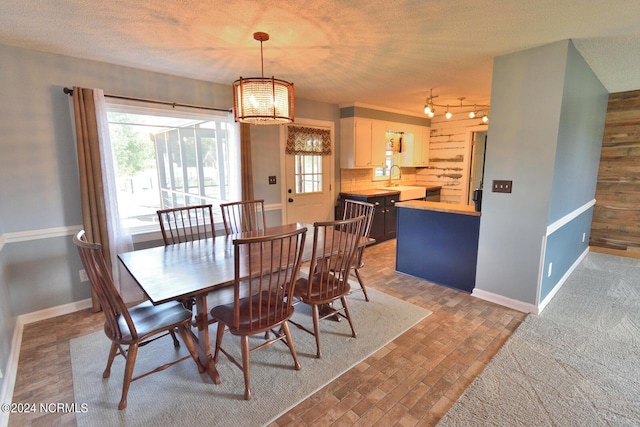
x=283 y=167
x=467 y=159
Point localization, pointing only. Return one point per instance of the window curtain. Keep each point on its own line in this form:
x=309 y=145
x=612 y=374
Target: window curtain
x=308 y=140
x=100 y=217
x=246 y=165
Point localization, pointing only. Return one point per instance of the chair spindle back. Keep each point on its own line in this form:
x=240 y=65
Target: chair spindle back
x=245 y=215
x=101 y=282
x=266 y=269
x=335 y=244
x=186 y=224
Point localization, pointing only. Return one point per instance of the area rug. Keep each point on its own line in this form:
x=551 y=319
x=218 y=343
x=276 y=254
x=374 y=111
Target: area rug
x=180 y=396
x=576 y=364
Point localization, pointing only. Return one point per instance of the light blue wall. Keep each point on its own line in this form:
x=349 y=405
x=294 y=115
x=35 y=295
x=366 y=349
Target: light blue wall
x=265 y=157
x=563 y=247
x=582 y=118
x=526 y=98
x=547 y=116
x=43 y=274
x=7 y=317
x=38 y=165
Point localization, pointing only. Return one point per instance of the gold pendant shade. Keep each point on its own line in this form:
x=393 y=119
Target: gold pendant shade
x=263 y=100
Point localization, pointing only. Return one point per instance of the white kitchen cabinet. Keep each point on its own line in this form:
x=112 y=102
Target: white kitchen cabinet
x=424 y=147
x=363 y=143
x=378 y=142
x=359 y=147
x=415 y=150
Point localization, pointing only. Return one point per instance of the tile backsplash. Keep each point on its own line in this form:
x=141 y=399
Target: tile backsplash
x=362 y=179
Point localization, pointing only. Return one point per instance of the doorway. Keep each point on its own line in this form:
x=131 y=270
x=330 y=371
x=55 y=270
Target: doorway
x=307 y=193
x=477 y=146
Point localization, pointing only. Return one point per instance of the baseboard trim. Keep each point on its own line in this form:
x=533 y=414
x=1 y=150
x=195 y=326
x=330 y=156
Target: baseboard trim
x=526 y=307
x=11 y=370
x=48 y=313
x=504 y=301
x=560 y=282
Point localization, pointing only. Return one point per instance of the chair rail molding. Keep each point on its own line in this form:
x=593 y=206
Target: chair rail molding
x=569 y=217
x=44 y=233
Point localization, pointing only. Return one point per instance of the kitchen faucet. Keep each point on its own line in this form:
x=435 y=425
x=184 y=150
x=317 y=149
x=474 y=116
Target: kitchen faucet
x=391 y=173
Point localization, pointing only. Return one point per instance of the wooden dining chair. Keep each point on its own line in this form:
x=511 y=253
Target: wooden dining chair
x=186 y=224
x=133 y=326
x=335 y=244
x=245 y=215
x=352 y=209
x=266 y=269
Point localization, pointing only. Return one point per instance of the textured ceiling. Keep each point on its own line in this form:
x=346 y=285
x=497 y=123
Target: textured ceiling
x=379 y=52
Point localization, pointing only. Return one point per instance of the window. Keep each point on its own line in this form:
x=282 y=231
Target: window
x=170 y=158
x=308 y=173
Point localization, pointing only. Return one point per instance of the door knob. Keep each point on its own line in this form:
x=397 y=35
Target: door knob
x=290 y=200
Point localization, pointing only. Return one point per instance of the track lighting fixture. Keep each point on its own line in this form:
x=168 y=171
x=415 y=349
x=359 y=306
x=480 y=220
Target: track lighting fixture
x=474 y=110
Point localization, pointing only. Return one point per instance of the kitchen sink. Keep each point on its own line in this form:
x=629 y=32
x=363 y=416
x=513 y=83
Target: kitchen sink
x=408 y=192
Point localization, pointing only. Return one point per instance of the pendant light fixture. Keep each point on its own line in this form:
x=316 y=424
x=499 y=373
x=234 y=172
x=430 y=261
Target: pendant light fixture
x=260 y=100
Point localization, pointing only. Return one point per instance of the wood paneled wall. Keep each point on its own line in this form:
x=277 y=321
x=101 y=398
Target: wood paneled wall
x=616 y=216
x=448 y=163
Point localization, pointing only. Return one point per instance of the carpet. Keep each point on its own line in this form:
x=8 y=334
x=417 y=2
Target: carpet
x=576 y=364
x=180 y=395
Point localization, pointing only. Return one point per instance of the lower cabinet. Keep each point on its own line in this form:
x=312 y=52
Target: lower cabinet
x=385 y=216
x=384 y=220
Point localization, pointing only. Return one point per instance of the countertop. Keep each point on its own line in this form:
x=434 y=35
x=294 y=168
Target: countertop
x=439 y=207
x=372 y=192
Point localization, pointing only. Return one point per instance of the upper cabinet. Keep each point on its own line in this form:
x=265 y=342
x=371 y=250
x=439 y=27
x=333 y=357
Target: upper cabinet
x=364 y=139
x=361 y=146
x=415 y=150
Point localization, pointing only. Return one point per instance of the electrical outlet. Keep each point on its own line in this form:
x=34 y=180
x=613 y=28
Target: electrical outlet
x=1 y=374
x=584 y=236
x=272 y=179
x=83 y=276
x=501 y=186
x=550 y=267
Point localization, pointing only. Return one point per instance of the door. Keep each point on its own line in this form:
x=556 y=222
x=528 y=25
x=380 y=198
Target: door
x=308 y=194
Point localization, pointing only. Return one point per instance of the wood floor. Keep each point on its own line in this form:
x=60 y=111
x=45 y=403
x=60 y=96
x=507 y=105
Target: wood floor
x=412 y=381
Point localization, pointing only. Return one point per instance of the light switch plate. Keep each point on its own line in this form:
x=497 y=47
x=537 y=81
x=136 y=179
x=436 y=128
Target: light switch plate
x=501 y=186
x=272 y=179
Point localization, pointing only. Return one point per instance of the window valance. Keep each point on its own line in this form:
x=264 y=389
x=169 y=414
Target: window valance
x=307 y=140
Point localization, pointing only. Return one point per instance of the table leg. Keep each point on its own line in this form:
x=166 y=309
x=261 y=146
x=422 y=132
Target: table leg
x=204 y=347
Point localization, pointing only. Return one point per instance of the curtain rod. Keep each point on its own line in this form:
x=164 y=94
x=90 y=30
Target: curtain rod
x=173 y=104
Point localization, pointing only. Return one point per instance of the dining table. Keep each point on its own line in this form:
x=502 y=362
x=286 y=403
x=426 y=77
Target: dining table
x=203 y=270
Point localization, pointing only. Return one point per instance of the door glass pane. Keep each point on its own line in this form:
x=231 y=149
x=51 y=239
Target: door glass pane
x=308 y=174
